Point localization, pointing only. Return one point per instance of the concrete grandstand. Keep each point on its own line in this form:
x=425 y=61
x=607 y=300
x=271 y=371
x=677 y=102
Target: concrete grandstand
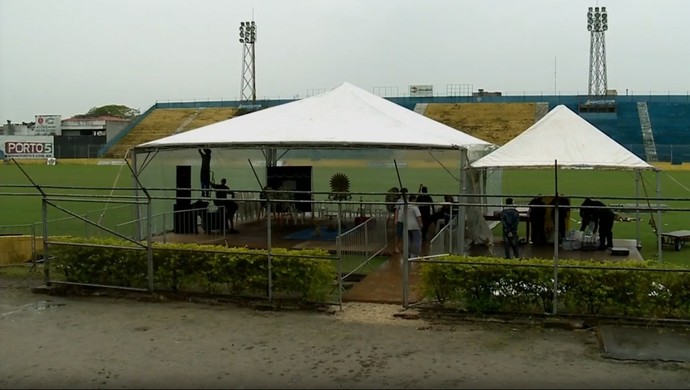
x=654 y=127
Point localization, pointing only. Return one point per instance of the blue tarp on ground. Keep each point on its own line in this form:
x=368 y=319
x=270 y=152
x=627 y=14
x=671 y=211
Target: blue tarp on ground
x=311 y=234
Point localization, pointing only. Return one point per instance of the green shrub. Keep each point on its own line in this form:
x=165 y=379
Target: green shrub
x=309 y=274
x=628 y=288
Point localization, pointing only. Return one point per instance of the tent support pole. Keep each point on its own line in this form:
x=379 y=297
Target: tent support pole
x=270 y=155
x=269 y=208
x=556 y=237
x=405 y=242
x=638 y=174
x=659 y=225
x=460 y=232
x=137 y=214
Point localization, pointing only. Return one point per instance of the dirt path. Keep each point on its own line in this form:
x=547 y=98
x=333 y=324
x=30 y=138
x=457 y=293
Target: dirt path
x=104 y=342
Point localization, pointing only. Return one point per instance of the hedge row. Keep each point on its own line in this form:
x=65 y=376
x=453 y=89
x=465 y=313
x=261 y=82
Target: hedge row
x=481 y=285
x=193 y=267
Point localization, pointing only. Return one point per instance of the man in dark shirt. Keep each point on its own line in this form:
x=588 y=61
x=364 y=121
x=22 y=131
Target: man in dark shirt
x=563 y=215
x=603 y=217
x=205 y=172
x=536 y=219
x=510 y=219
x=222 y=192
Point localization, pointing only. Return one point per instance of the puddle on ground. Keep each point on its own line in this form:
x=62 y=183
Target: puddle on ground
x=35 y=307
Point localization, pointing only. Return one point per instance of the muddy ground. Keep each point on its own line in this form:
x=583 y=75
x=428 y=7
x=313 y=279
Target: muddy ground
x=115 y=342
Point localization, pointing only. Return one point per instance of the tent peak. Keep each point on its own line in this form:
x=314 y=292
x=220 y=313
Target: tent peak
x=563 y=136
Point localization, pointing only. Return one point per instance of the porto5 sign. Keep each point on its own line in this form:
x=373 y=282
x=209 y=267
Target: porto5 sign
x=27 y=147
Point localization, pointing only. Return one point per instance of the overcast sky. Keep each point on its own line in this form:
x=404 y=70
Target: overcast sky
x=66 y=56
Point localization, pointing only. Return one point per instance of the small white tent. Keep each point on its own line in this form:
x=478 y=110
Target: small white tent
x=565 y=137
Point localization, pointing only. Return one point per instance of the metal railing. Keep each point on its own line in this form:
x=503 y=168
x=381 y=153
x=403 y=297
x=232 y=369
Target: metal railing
x=210 y=221
x=445 y=241
x=362 y=243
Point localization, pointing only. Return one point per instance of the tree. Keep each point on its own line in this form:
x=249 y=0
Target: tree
x=115 y=110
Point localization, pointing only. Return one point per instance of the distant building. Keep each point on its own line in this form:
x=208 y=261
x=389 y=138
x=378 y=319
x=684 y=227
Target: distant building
x=16 y=129
x=108 y=126
x=481 y=92
x=74 y=137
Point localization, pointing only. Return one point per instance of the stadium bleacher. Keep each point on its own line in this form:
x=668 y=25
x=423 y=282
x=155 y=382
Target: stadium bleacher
x=497 y=123
x=496 y=119
x=163 y=122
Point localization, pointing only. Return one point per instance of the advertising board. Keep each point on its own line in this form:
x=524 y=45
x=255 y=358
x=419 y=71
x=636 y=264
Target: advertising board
x=27 y=146
x=48 y=125
x=421 y=90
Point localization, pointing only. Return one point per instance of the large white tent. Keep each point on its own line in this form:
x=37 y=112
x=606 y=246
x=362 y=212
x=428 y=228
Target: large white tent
x=565 y=137
x=346 y=116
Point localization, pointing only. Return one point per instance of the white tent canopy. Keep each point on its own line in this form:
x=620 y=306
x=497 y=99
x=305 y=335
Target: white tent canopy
x=346 y=116
x=564 y=137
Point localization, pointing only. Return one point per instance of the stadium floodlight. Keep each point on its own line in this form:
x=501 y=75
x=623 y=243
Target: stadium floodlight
x=248 y=39
x=597 y=24
x=248 y=32
x=597 y=19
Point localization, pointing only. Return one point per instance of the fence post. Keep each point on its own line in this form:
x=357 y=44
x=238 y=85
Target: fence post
x=33 y=244
x=149 y=245
x=46 y=258
x=269 y=207
x=366 y=239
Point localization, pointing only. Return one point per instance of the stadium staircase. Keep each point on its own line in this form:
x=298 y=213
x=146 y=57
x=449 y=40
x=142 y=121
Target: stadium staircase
x=420 y=108
x=497 y=123
x=541 y=110
x=671 y=135
x=647 y=134
x=187 y=121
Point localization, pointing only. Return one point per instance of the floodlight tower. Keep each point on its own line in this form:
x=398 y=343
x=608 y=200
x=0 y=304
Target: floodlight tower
x=597 y=24
x=248 y=38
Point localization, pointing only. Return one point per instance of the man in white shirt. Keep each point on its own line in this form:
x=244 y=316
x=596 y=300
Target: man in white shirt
x=414 y=228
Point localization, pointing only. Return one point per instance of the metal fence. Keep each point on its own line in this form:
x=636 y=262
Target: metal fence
x=77 y=151
x=356 y=246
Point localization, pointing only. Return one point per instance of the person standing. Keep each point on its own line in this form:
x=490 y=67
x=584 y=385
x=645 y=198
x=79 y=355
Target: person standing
x=537 y=213
x=587 y=217
x=510 y=219
x=563 y=214
x=230 y=206
x=205 y=172
x=443 y=216
x=414 y=228
x=426 y=207
x=603 y=218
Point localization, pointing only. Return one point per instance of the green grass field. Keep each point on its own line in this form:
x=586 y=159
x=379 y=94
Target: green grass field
x=22 y=205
